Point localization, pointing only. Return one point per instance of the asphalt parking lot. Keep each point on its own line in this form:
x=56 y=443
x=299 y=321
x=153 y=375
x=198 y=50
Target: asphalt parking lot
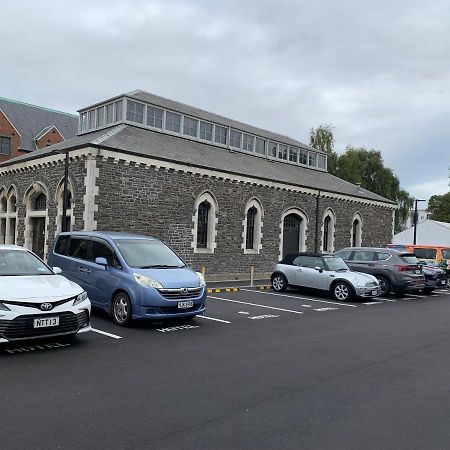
x=259 y=370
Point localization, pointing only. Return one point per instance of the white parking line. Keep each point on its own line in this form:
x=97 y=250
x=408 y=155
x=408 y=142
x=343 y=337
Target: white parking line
x=300 y=298
x=255 y=304
x=114 y=336
x=415 y=296
x=212 y=318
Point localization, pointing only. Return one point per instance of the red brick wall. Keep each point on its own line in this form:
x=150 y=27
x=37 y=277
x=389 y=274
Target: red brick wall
x=7 y=130
x=51 y=137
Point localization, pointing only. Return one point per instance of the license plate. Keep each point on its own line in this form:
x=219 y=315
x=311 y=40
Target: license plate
x=46 y=322
x=374 y=292
x=418 y=272
x=186 y=304
x=443 y=282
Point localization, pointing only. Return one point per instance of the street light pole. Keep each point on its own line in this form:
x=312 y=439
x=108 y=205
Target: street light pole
x=64 y=208
x=415 y=219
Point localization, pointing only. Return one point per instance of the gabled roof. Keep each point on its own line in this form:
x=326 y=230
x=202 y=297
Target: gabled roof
x=30 y=120
x=138 y=141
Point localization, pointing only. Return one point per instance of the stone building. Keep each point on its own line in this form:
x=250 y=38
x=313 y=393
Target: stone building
x=225 y=195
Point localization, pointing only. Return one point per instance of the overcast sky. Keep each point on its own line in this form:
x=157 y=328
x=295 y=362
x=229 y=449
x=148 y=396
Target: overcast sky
x=378 y=71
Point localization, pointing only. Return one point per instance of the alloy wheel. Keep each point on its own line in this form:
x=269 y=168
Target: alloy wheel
x=278 y=283
x=121 y=309
x=341 y=291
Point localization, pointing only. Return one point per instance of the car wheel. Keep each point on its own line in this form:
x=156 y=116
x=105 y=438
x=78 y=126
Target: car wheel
x=428 y=290
x=279 y=282
x=385 y=285
x=121 y=309
x=448 y=282
x=342 y=291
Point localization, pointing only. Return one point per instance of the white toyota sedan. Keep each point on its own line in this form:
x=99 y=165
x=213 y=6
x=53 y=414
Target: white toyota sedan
x=37 y=302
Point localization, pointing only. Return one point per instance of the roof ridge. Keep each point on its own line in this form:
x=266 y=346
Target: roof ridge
x=36 y=106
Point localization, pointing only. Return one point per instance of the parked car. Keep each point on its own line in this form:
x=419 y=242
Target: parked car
x=130 y=276
x=435 y=255
x=397 y=272
x=434 y=277
x=37 y=302
x=324 y=272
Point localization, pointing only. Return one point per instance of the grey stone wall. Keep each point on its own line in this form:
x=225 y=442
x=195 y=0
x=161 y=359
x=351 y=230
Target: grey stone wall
x=160 y=203
x=50 y=175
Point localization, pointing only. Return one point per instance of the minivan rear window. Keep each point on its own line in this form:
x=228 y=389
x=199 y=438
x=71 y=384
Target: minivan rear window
x=61 y=245
x=425 y=253
x=79 y=248
x=446 y=253
x=409 y=258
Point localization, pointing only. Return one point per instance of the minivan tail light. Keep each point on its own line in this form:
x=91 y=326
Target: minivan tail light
x=401 y=268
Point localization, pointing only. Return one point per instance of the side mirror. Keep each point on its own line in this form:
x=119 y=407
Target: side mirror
x=57 y=270
x=101 y=261
x=319 y=269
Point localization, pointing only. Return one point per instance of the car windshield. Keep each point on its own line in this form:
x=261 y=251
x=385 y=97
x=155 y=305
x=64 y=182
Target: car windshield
x=335 y=263
x=19 y=262
x=147 y=254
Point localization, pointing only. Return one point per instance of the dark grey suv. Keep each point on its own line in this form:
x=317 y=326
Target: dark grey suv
x=396 y=271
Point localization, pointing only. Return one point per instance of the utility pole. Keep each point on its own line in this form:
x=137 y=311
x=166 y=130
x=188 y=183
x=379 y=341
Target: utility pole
x=415 y=219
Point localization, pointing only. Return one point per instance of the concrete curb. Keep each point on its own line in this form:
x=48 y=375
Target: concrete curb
x=219 y=290
x=236 y=289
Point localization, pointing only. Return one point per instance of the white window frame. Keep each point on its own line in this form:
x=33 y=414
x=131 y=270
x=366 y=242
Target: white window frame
x=303 y=229
x=212 y=223
x=331 y=232
x=359 y=231
x=258 y=235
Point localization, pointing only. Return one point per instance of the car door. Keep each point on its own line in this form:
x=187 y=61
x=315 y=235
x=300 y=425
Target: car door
x=102 y=280
x=74 y=266
x=363 y=261
x=309 y=276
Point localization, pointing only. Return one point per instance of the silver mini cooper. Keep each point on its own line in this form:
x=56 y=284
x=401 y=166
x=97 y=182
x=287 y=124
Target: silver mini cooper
x=323 y=272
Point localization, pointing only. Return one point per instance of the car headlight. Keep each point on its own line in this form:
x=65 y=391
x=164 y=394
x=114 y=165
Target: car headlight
x=147 y=281
x=3 y=307
x=80 y=298
x=202 y=279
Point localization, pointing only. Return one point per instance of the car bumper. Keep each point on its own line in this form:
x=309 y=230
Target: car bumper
x=19 y=326
x=367 y=292
x=153 y=305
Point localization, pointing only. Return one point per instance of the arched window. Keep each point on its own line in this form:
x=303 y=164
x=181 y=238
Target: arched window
x=8 y=216
x=252 y=222
x=250 y=234
x=328 y=231
x=356 y=231
x=202 y=224
x=70 y=219
x=40 y=202
x=36 y=219
x=204 y=218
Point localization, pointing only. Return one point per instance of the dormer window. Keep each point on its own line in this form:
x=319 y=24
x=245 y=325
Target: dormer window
x=198 y=125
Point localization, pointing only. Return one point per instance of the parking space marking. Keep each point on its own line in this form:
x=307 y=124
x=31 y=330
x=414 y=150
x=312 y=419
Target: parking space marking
x=213 y=318
x=301 y=298
x=372 y=303
x=255 y=304
x=114 y=336
x=415 y=296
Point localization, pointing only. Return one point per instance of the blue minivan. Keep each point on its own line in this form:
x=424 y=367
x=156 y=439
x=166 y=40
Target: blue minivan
x=130 y=276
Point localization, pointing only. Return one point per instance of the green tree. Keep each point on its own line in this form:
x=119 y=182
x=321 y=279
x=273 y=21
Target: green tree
x=322 y=138
x=439 y=207
x=366 y=168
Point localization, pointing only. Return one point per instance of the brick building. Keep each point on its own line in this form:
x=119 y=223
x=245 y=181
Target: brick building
x=225 y=195
x=25 y=128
